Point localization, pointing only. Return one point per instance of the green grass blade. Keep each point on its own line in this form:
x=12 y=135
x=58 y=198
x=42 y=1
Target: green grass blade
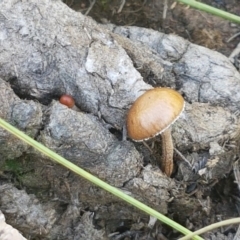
x=215 y=11
x=94 y=179
x=211 y=227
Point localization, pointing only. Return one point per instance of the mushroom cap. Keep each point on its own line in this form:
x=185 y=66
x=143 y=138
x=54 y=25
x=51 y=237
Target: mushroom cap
x=153 y=112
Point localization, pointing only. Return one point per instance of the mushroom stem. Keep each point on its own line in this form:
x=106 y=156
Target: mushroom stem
x=167 y=152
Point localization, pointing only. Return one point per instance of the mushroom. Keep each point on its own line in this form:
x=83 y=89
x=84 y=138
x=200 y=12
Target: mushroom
x=153 y=113
x=67 y=100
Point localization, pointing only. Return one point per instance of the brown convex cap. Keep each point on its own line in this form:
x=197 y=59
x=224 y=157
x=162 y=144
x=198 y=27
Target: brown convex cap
x=153 y=112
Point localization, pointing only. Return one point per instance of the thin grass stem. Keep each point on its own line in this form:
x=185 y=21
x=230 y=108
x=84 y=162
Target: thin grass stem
x=115 y=191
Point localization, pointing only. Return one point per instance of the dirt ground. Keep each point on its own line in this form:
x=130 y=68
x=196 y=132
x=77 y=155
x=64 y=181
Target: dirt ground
x=196 y=26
